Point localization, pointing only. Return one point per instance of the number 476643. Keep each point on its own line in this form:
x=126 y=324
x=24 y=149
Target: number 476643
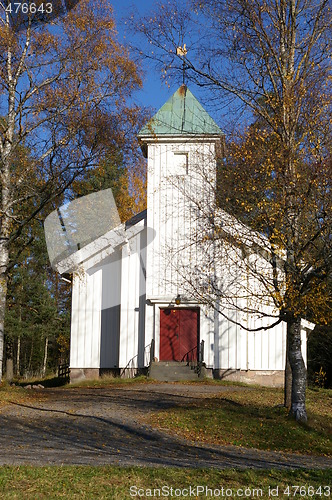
x=29 y=8
x=307 y=491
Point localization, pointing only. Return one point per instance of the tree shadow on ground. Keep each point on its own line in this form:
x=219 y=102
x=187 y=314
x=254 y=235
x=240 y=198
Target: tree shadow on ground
x=38 y=435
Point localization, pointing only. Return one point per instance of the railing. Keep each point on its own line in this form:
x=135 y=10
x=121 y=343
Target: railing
x=64 y=371
x=148 y=349
x=151 y=355
x=195 y=357
x=191 y=356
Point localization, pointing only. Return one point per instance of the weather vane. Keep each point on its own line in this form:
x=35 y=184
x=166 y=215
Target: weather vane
x=182 y=52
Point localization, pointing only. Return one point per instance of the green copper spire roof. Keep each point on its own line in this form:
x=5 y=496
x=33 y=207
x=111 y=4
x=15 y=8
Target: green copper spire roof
x=182 y=114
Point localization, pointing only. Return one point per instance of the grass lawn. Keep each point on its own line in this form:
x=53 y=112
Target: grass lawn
x=115 y=483
x=254 y=418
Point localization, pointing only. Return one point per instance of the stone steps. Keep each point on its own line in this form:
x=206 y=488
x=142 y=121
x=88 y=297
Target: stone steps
x=172 y=371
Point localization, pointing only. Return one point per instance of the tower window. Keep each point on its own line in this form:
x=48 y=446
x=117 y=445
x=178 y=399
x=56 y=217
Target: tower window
x=179 y=164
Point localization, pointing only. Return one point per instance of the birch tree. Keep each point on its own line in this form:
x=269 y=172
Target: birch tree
x=64 y=88
x=272 y=60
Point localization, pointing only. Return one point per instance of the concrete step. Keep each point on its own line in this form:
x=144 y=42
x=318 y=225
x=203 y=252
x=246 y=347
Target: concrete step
x=172 y=371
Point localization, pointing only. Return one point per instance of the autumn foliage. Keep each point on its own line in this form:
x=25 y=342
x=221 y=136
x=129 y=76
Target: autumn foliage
x=65 y=90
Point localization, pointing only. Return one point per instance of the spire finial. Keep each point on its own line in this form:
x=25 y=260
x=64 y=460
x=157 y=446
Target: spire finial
x=182 y=52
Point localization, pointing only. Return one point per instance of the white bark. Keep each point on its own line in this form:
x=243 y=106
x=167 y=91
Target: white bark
x=3 y=294
x=18 y=355
x=45 y=356
x=299 y=372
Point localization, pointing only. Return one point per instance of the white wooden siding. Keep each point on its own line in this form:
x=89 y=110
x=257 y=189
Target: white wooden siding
x=110 y=319
x=172 y=203
x=86 y=315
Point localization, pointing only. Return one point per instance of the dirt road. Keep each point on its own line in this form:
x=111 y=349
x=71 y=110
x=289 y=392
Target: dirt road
x=85 y=426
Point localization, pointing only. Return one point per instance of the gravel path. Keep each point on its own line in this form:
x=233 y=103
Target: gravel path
x=85 y=426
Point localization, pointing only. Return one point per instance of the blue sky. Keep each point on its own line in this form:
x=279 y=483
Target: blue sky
x=154 y=92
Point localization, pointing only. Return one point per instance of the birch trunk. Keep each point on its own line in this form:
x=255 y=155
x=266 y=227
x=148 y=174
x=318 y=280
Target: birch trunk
x=288 y=383
x=3 y=294
x=6 y=198
x=45 y=356
x=299 y=372
x=18 y=355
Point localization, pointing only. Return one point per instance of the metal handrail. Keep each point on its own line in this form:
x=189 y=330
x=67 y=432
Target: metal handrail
x=199 y=357
x=151 y=345
x=185 y=357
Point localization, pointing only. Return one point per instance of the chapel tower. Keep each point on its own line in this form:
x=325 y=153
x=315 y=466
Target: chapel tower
x=180 y=143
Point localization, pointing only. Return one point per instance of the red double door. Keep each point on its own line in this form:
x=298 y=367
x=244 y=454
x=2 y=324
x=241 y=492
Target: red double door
x=179 y=333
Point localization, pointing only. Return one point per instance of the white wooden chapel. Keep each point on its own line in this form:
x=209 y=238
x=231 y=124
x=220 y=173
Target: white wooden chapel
x=131 y=287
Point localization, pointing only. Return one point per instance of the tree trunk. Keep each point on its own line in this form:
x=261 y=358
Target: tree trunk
x=9 y=369
x=9 y=360
x=299 y=372
x=288 y=382
x=3 y=295
x=2 y=321
x=29 y=370
x=18 y=355
x=45 y=356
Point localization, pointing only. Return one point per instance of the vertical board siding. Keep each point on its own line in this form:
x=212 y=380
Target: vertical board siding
x=78 y=346
x=130 y=303
x=207 y=320
x=78 y=322
x=75 y=320
x=142 y=298
x=85 y=339
x=88 y=306
x=253 y=350
x=149 y=324
x=96 y=319
x=111 y=308
x=135 y=282
x=124 y=307
x=156 y=319
x=172 y=213
x=231 y=338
